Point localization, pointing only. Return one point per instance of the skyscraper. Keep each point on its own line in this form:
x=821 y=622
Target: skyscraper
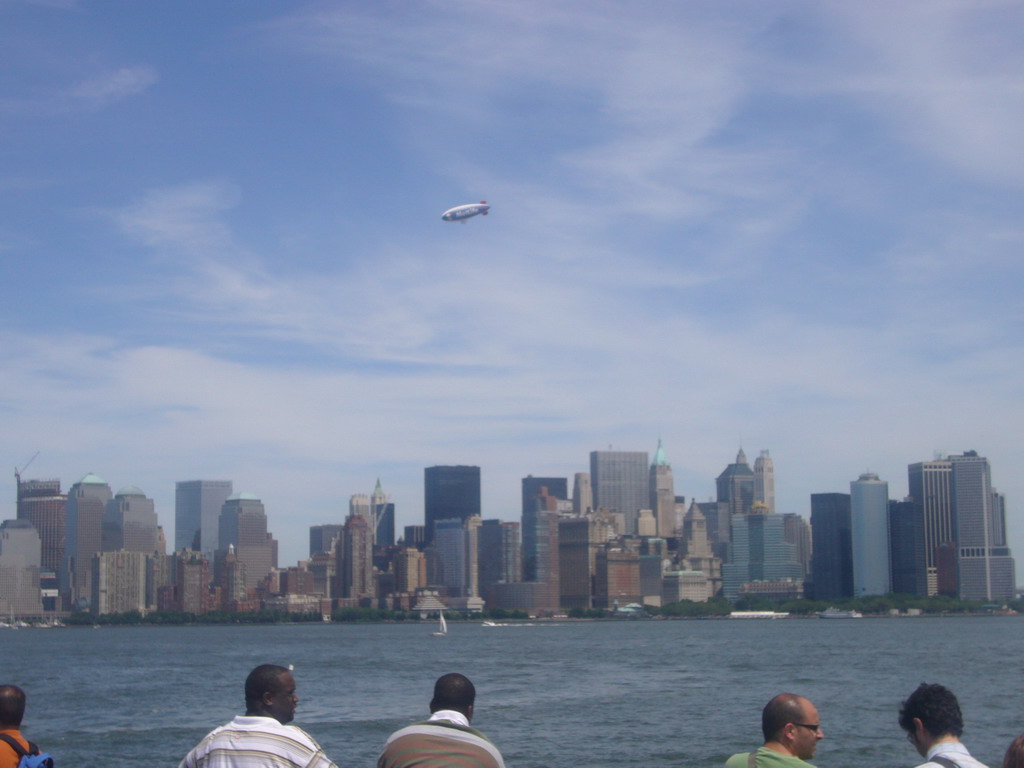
x=699 y=555
x=86 y=505
x=540 y=551
x=42 y=504
x=662 y=499
x=359 y=504
x=798 y=533
x=985 y=569
x=832 y=561
x=930 y=492
x=760 y=554
x=576 y=561
x=130 y=522
x=383 y=511
x=20 y=558
x=869 y=526
x=243 y=525
x=118 y=582
x=450 y=492
x=355 y=559
x=197 y=506
x=906 y=549
x=500 y=553
x=619 y=480
x=533 y=539
x=532 y=487
x=582 y=494
x=764 y=481
x=321 y=537
x=451 y=548
x=736 y=486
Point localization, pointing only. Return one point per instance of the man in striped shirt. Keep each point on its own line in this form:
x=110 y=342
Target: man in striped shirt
x=262 y=737
x=445 y=739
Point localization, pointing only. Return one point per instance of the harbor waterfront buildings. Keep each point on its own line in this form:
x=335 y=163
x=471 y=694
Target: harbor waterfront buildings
x=617 y=537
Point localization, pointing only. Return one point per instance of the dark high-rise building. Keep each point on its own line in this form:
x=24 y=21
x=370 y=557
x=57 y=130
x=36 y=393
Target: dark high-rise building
x=557 y=487
x=321 y=537
x=500 y=553
x=929 y=483
x=736 y=486
x=540 y=551
x=197 y=506
x=415 y=536
x=831 y=532
x=906 y=548
x=533 y=540
x=760 y=554
x=619 y=481
x=382 y=510
x=42 y=504
x=576 y=562
x=450 y=492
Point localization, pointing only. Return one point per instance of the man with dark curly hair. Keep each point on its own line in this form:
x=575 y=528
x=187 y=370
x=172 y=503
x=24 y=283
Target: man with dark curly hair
x=933 y=722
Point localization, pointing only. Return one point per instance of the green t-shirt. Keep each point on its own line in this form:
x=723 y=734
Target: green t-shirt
x=767 y=758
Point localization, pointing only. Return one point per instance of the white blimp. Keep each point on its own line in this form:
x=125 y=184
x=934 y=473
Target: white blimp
x=463 y=212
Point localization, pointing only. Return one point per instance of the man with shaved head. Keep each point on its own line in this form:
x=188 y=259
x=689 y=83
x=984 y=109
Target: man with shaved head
x=261 y=738
x=792 y=730
x=12 y=710
x=445 y=739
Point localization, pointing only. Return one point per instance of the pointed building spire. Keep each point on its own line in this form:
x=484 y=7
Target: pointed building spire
x=660 y=459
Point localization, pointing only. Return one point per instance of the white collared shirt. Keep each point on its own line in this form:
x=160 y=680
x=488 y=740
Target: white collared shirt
x=951 y=750
x=451 y=716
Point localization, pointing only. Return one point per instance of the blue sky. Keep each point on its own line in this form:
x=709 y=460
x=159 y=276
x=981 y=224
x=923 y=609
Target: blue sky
x=792 y=225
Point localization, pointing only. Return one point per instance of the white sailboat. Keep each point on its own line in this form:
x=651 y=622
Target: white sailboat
x=443 y=628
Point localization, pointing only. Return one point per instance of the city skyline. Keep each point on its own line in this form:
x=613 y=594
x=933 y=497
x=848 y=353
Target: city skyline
x=794 y=227
x=294 y=536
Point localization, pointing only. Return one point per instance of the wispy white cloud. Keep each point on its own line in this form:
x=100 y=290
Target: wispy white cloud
x=98 y=92
x=709 y=225
x=112 y=87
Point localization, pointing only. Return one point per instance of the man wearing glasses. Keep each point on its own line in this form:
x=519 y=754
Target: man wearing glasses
x=791 y=730
x=933 y=722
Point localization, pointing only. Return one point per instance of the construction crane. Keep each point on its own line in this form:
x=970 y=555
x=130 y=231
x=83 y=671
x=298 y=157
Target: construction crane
x=17 y=472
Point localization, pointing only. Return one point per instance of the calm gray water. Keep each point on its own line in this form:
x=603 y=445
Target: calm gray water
x=672 y=693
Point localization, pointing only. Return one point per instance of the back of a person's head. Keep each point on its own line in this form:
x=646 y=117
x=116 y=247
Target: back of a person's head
x=937 y=709
x=261 y=680
x=1014 y=757
x=784 y=708
x=453 y=691
x=12 y=706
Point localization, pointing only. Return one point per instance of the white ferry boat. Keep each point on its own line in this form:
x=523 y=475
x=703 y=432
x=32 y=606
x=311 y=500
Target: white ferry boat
x=836 y=613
